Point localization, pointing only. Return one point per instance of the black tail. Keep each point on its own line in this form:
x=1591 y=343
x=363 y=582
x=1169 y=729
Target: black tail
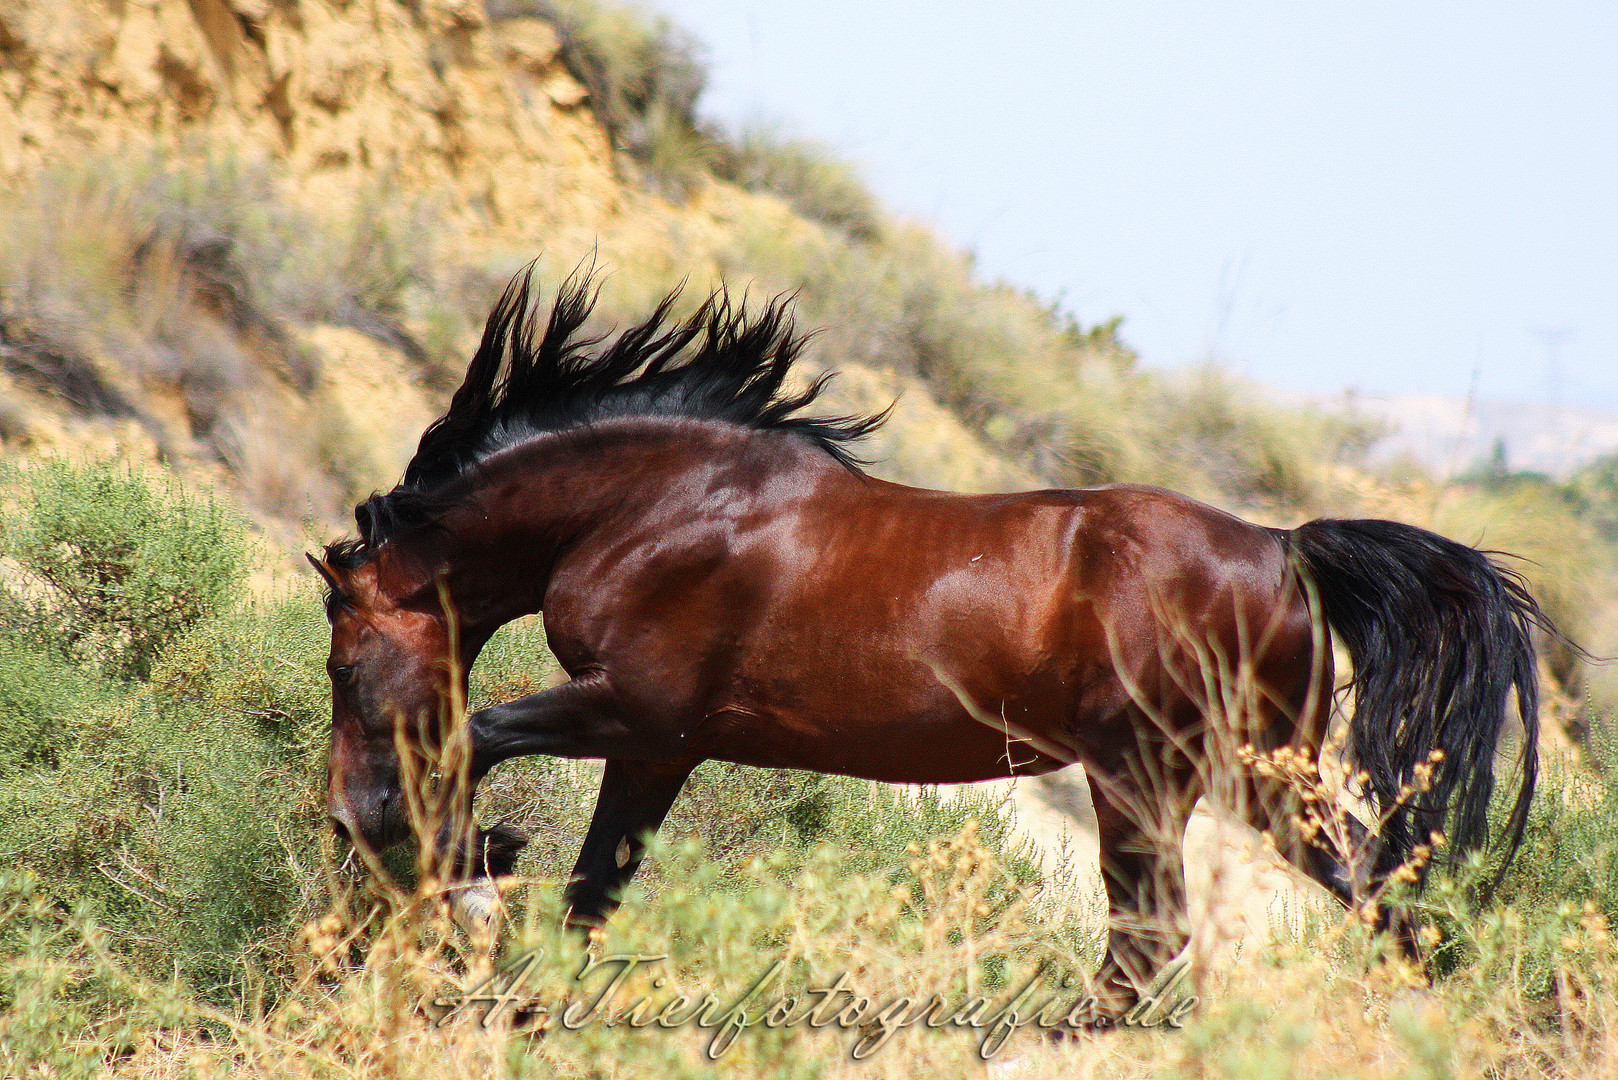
x=1440 y=635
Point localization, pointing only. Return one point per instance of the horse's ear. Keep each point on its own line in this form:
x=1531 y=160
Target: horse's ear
x=327 y=574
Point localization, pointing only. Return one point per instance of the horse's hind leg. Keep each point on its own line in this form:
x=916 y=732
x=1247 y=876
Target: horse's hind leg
x=635 y=797
x=1321 y=838
x=1141 y=826
x=1332 y=847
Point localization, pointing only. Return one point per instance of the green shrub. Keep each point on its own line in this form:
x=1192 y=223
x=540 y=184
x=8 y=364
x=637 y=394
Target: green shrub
x=1593 y=490
x=1553 y=905
x=114 y=566
x=64 y=1009
x=187 y=817
x=44 y=701
x=804 y=174
x=1571 y=846
x=183 y=812
x=264 y=663
x=182 y=837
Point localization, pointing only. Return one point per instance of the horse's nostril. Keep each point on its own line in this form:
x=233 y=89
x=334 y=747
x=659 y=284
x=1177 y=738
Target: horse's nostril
x=339 y=827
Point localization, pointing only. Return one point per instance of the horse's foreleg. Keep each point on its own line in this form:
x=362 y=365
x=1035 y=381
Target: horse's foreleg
x=582 y=718
x=578 y=719
x=635 y=797
x=1142 y=828
x=478 y=858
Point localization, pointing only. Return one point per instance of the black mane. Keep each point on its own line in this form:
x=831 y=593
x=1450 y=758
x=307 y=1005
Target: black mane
x=719 y=364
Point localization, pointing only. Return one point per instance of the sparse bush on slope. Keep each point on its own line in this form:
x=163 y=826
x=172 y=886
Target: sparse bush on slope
x=804 y=174
x=123 y=248
x=1594 y=491
x=644 y=75
x=152 y=815
x=172 y=293
x=1068 y=402
x=113 y=568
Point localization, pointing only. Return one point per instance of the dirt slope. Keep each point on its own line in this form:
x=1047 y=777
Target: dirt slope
x=476 y=120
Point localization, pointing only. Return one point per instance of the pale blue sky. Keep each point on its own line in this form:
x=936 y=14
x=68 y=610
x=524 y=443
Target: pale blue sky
x=1378 y=195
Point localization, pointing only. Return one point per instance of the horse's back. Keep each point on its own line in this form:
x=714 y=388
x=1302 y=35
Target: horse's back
x=894 y=614
x=1123 y=536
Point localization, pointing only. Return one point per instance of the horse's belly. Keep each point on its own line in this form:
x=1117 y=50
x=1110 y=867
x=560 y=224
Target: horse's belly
x=903 y=750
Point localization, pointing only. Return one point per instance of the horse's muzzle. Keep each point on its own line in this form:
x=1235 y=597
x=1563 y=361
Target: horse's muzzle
x=367 y=819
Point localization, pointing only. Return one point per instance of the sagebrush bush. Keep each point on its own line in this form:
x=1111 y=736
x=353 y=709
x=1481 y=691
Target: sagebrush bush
x=146 y=801
x=185 y=829
x=187 y=842
x=113 y=564
x=44 y=701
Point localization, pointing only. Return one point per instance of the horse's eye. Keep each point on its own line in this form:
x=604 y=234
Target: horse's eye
x=344 y=675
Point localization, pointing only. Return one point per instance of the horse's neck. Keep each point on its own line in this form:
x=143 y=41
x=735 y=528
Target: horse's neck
x=537 y=502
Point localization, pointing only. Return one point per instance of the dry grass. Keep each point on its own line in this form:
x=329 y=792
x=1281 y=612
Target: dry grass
x=380 y=988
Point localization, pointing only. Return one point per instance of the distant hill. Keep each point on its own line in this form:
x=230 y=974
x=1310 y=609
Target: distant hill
x=1452 y=435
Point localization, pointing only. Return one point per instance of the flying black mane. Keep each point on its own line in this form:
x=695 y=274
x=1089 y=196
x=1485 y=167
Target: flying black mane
x=721 y=363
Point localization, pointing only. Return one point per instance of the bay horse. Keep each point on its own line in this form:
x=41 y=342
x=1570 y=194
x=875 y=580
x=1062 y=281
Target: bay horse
x=719 y=578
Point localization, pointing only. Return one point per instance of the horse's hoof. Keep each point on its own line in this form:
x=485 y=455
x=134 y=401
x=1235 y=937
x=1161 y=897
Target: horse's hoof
x=476 y=908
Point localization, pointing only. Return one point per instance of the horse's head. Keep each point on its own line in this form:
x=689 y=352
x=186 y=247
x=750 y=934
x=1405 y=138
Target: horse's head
x=390 y=668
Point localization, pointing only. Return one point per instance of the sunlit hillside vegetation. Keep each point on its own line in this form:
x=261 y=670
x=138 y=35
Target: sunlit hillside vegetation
x=214 y=338
x=172 y=902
